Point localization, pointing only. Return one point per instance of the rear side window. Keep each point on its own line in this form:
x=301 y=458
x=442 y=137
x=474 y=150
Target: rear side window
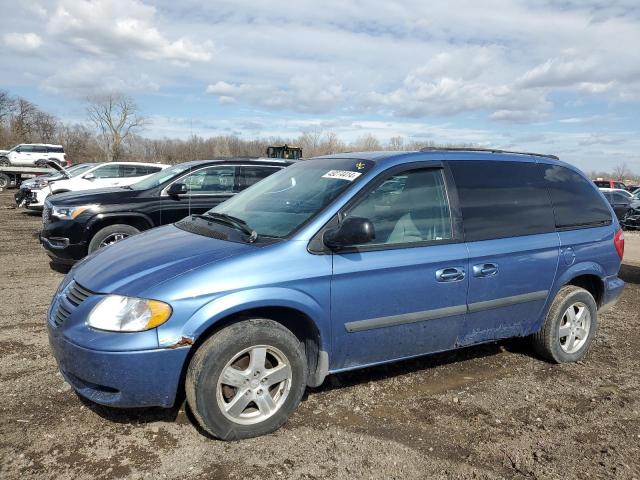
x=251 y=175
x=55 y=149
x=575 y=201
x=502 y=199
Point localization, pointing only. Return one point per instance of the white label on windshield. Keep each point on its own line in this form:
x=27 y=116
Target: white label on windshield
x=342 y=175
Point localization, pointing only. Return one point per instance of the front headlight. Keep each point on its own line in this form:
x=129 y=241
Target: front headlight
x=69 y=213
x=116 y=313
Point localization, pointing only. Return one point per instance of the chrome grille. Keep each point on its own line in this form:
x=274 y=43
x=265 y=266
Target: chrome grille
x=73 y=296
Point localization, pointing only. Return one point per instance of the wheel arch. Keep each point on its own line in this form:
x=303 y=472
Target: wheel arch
x=301 y=315
x=138 y=220
x=587 y=275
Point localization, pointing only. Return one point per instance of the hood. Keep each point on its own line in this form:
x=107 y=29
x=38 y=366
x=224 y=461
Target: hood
x=143 y=261
x=56 y=166
x=101 y=196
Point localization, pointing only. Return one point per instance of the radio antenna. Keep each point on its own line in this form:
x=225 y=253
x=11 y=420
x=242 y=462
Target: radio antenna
x=190 y=159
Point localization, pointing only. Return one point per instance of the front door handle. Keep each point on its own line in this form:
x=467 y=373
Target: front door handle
x=485 y=270
x=451 y=274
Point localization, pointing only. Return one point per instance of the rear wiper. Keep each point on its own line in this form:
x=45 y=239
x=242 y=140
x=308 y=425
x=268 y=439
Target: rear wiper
x=232 y=221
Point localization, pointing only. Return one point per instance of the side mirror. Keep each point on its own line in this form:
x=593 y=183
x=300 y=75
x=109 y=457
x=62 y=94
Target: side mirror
x=176 y=189
x=352 y=231
x=89 y=176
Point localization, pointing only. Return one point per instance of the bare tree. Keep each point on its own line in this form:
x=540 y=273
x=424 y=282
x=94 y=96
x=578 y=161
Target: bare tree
x=621 y=172
x=367 y=143
x=7 y=105
x=116 y=117
x=396 y=143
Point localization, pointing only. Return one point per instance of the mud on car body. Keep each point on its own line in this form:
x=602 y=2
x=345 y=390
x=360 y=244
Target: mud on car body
x=333 y=264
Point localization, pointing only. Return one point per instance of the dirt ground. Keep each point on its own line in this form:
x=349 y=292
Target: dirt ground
x=494 y=411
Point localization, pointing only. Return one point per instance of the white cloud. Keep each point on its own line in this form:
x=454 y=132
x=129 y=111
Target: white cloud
x=120 y=28
x=22 y=42
x=89 y=77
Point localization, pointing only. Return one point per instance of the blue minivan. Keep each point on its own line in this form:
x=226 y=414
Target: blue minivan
x=333 y=264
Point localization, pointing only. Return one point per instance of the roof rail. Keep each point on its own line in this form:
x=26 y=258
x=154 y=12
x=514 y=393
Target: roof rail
x=489 y=150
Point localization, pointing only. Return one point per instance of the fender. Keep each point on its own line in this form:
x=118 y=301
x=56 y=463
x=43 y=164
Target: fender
x=582 y=268
x=576 y=270
x=102 y=216
x=239 y=301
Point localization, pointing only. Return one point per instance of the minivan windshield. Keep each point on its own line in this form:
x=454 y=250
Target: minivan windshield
x=160 y=177
x=282 y=202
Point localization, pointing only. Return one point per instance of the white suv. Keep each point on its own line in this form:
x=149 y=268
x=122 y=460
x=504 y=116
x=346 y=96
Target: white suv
x=29 y=154
x=103 y=175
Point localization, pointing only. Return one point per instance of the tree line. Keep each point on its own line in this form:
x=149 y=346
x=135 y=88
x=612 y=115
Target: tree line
x=114 y=126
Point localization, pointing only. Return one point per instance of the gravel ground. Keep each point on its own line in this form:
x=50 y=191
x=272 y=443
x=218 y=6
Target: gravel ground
x=494 y=411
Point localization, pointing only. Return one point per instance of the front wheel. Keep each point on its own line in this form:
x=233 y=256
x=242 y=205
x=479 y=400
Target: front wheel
x=111 y=234
x=246 y=380
x=570 y=326
x=4 y=162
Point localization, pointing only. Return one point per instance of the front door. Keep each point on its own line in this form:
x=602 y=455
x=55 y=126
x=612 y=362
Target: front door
x=404 y=293
x=207 y=187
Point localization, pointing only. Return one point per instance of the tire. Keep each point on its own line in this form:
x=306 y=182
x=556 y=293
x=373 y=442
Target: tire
x=263 y=407
x=111 y=234
x=4 y=162
x=550 y=342
x=5 y=180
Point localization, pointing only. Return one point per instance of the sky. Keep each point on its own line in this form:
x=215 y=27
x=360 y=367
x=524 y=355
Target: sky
x=550 y=76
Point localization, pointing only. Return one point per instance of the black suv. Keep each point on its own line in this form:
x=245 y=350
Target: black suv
x=78 y=223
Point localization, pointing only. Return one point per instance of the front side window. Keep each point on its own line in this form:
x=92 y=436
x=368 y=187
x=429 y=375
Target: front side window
x=213 y=180
x=620 y=198
x=25 y=149
x=407 y=208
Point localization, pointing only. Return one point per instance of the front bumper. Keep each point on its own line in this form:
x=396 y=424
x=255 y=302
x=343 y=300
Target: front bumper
x=32 y=199
x=61 y=251
x=63 y=241
x=129 y=379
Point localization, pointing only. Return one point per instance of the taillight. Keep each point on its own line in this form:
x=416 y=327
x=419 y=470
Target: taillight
x=618 y=242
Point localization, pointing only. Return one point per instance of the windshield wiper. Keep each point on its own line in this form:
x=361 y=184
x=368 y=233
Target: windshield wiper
x=127 y=187
x=235 y=222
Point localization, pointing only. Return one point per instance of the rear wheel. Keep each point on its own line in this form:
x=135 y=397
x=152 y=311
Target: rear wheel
x=5 y=181
x=570 y=326
x=247 y=379
x=111 y=234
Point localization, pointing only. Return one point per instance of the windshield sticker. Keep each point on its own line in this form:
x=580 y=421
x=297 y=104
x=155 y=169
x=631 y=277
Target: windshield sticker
x=342 y=175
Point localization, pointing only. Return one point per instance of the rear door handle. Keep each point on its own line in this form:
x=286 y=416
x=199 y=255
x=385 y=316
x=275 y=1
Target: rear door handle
x=451 y=274
x=485 y=270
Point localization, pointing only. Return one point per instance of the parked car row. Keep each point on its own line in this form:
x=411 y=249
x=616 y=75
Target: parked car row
x=92 y=176
x=79 y=223
x=243 y=297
